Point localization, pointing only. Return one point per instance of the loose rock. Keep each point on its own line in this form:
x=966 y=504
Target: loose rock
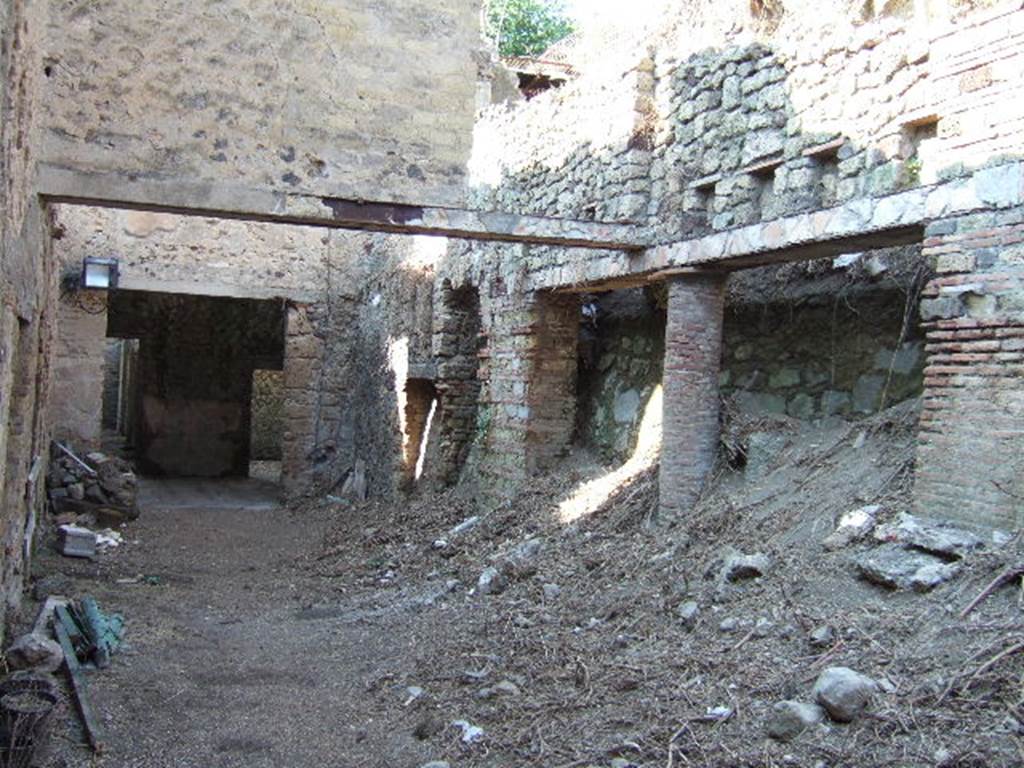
x=788 y=719
x=36 y=652
x=852 y=527
x=551 y=592
x=689 y=613
x=822 y=637
x=843 y=693
x=491 y=582
x=895 y=567
x=739 y=567
x=470 y=733
x=729 y=625
x=930 y=535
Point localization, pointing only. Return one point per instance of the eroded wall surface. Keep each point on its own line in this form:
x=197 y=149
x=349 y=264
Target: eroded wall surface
x=354 y=98
x=27 y=291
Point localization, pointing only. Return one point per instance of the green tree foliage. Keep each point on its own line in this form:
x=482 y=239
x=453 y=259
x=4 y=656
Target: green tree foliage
x=526 y=27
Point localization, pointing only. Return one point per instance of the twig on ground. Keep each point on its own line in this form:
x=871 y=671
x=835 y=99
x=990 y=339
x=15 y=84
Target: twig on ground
x=1002 y=579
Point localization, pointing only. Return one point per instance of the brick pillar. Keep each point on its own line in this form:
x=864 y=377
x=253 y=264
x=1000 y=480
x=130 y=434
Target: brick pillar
x=552 y=383
x=970 y=456
x=531 y=392
x=693 y=351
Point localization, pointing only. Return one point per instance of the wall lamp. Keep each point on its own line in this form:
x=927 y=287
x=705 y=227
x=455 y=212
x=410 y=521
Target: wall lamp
x=99 y=273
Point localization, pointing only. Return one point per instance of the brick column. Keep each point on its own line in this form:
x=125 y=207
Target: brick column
x=693 y=351
x=970 y=456
x=532 y=386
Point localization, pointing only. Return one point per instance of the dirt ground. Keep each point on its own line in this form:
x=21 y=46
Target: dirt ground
x=341 y=635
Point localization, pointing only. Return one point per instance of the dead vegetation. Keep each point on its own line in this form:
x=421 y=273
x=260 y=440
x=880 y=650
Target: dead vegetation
x=580 y=655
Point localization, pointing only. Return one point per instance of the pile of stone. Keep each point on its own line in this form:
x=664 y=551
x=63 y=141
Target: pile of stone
x=96 y=489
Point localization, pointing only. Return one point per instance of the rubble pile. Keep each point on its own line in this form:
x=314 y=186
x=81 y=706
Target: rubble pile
x=98 y=491
x=100 y=487
x=750 y=633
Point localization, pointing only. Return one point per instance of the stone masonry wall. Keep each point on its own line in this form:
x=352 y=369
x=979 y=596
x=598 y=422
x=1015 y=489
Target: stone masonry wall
x=810 y=111
x=823 y=110
x=622 y=352
x=339 y=287
x=458 y=348
x=27 y=296
x=393 y=348
x=825 y=338
x=78 y=369
x=969 y=463
x=354 y=98
x=267 y=414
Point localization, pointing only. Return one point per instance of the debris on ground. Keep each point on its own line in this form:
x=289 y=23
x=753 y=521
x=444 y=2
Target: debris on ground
x=34 y=651
x=75 y=541
x=843 y=693
x=93 y=634
x=97 y=490
x=895 y=567
x=626 y=639
x=788 y=719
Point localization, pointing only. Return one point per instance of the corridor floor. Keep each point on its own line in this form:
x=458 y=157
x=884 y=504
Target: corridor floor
x=225 y=662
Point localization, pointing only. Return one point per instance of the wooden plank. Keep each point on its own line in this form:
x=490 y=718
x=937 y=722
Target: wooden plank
x=79 y=688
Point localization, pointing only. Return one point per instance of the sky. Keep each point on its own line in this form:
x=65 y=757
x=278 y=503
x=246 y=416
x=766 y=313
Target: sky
x=581 y=9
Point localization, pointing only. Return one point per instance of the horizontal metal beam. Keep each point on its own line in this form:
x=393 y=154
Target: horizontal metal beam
x=208 y=200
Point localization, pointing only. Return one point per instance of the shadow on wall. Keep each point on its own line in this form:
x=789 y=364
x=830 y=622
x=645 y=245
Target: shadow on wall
x=459 y=347
x=197 y=355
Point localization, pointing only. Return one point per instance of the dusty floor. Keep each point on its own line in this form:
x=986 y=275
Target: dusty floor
x=351 y=636
x=223 y=666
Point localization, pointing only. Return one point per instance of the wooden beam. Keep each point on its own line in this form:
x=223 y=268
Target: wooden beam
x=79 y=688
x=219 y=201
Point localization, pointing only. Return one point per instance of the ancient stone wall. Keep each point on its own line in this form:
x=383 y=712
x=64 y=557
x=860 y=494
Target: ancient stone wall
x=27 y=298
x=76 y=412
x=621 y=354
x=111 y=392
x=356 y=99
x=324 y=274
x=267 y=414
x=392 y=353
x=832 y=337
x=459 y=344
x=807 y=112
